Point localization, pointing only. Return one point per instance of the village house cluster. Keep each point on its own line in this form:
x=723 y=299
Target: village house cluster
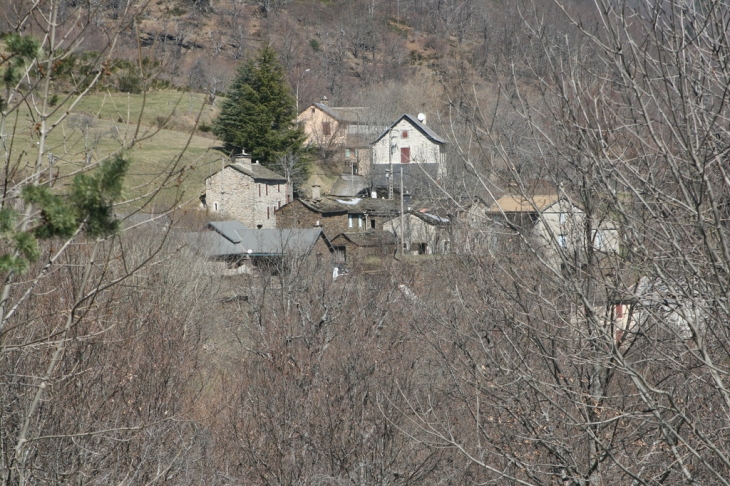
x=383 y=206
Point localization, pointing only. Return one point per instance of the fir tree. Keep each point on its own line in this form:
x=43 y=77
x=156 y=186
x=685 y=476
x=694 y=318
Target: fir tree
x=259 y=111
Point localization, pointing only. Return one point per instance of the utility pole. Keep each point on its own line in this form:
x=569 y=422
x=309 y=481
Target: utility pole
x=402 y=217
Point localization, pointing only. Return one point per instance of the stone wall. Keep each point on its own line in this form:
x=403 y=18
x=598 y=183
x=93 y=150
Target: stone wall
x=237 y=196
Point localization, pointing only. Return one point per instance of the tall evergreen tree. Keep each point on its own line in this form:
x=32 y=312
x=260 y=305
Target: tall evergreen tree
x=259 y=110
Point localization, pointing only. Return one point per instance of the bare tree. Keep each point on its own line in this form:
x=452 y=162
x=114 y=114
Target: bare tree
x=578 y=366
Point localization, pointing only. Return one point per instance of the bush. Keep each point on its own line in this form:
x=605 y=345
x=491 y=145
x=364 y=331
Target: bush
x=129 y=83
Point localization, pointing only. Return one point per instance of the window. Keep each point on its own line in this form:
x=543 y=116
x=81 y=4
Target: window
x=215 y=206
x=562 y=241
x=372 y=224
x=312 y=111
x=259 y=190
x=350 y=217
x=359 y=221
x=405 y=155
x=340 y=254
x=347 y=153
x=404 y=134
x=326 y=129
x=422 y=248
x=563 y=218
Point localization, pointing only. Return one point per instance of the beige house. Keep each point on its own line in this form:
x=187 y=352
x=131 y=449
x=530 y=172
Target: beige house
x=247 y=192
x=343 y=132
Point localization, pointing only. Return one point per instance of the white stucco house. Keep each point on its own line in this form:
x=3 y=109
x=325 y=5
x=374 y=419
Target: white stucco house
x=247 y=192
x=409 y=141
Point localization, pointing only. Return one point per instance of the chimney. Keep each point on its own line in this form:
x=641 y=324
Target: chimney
x=243 y=159
x=324 y=100
x=316 y=191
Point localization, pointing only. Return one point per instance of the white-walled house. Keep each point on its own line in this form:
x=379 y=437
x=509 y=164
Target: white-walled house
x=247 y=192
x=551 y=223
x=408 y=141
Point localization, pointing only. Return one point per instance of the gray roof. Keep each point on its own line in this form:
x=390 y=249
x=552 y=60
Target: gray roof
x=430 y=134
x=347 y=114
x=352 y=205
x=253 y=242
x=257 y=172
x=228 y=229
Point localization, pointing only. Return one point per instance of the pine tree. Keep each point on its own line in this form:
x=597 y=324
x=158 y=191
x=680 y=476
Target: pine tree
x=259 y=111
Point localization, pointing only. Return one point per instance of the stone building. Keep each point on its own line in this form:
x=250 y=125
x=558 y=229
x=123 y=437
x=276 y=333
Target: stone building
x=352 y=247
x=247 y=192
x=336 y=215
x=426 y=231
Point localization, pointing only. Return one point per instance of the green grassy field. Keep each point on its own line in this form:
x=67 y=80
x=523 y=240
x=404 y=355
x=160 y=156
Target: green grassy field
x=104 y=123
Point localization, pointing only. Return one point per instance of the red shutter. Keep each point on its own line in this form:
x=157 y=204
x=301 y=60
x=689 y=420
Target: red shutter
x=405 y=155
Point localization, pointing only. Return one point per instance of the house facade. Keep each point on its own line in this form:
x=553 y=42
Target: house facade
x=247 y=192
x=408 y=141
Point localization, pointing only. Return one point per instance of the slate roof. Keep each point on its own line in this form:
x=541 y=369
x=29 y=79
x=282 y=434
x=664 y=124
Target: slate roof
x=347 y=114
x=229 y=229
x=369 y=238
x=417 y=178
x=424 y=129
x=257 y=172
x=352 y=205
x=252 y=242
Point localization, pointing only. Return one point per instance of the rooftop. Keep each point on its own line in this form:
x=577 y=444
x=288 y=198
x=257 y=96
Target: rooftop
x=352 y=205
x=257 y=172
x=230 y=238
x=430 y=134
x=519 y=204
x=369 y=238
